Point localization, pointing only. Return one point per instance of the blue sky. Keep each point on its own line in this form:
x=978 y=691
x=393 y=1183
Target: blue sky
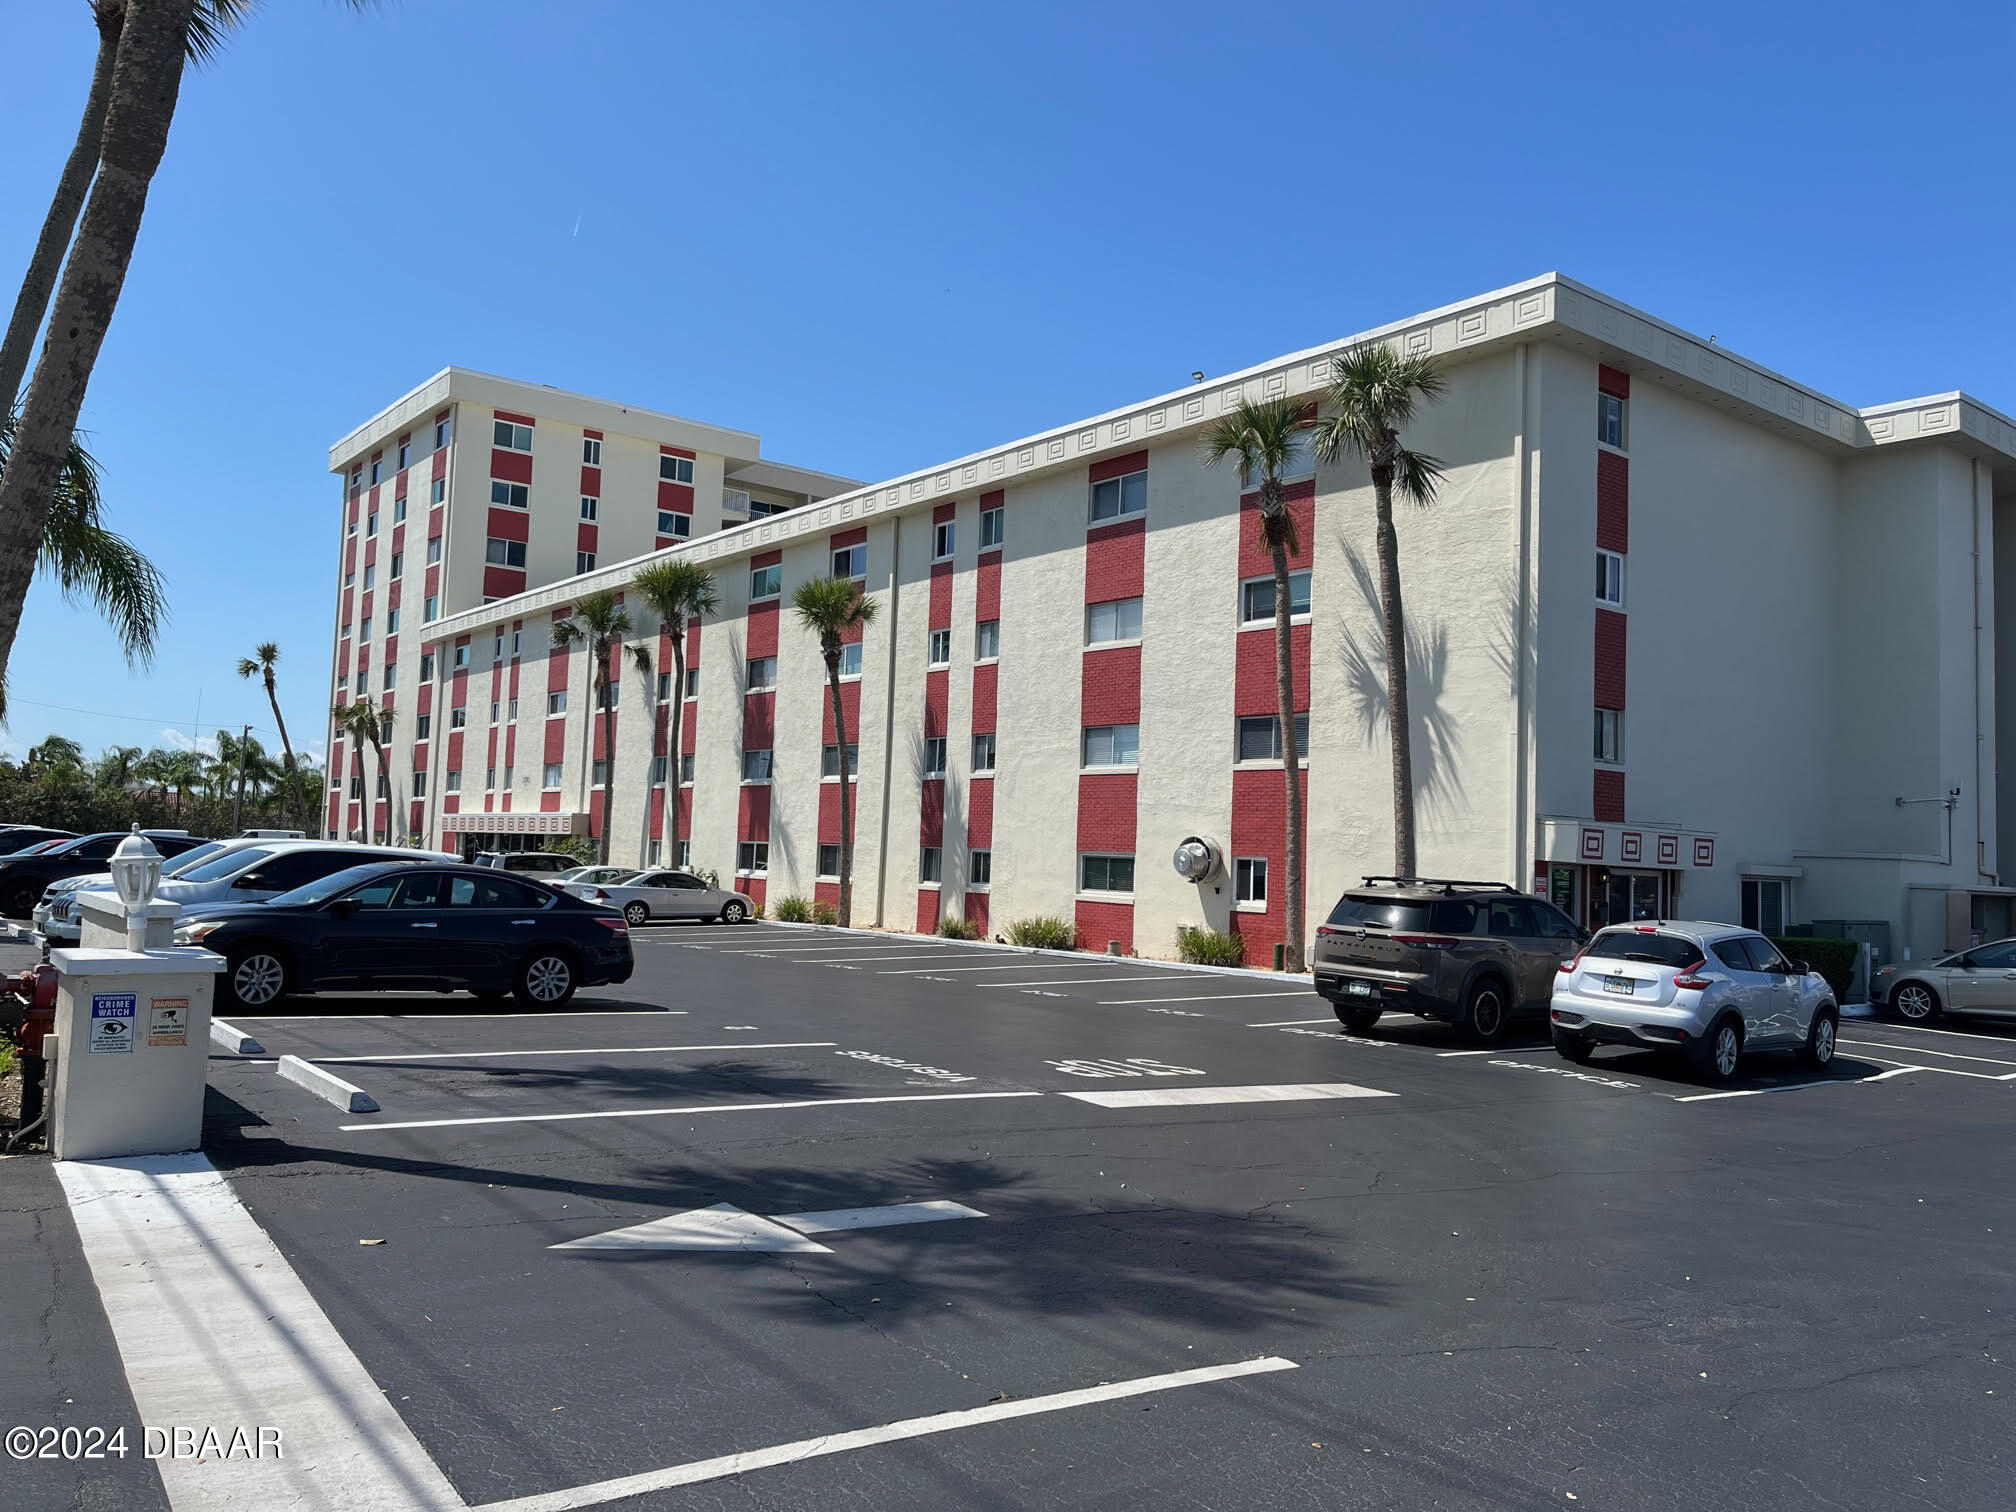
x=885 y=235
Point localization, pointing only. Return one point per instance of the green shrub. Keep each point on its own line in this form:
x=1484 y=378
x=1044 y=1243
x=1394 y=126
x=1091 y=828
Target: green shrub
x=1833 y=959
x=793 y=909
x=1045 y=932
x=1209 y=947
x=825 y=913
x=958 y=929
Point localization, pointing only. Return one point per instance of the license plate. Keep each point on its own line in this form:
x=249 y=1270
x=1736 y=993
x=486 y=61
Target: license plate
x=1358 y=989
x=1622 y=986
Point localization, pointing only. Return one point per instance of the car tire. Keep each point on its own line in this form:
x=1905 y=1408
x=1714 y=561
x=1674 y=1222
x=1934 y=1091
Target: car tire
x=1721 y=1052
x=546 y=980
x=1818 y=1051
x=635 y=913
x=1486 y=1011
x=19 y=901
x=1356 y=1020
x=734 y=911
x=1914 y=1003
x=255 y=976
x=1575 y=1047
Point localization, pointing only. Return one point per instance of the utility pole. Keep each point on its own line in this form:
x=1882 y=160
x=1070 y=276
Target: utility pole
x=238 y=808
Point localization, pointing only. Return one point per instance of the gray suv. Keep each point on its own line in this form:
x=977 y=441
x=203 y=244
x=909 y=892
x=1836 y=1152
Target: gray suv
x=1474 y=954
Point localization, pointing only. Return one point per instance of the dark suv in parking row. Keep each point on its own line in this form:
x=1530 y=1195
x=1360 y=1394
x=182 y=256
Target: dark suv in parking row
x=1475 y=954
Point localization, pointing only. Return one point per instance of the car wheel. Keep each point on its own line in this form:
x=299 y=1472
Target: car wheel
x=1915 y=1003
x=546 y=979
x=1721 y=1052
x=20 y=900
x=1574 y=1047
x=734 y=911
x=1485 y=1012
x=635 y=913
x=1356 y=1020
x=1819 y=1048
x=255 y=977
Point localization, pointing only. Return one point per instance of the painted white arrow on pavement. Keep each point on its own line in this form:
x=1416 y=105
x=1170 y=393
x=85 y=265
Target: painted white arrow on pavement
x=727 y=1227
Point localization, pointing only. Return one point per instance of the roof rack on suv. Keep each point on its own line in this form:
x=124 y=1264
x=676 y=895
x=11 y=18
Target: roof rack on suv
x=1447 y=884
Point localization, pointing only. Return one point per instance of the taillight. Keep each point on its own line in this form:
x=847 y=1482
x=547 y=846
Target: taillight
x=1426 y=942
x=615 y=926
x=1325 y=929
x=1689 y=980
x=596 y=895
x=1568 y=966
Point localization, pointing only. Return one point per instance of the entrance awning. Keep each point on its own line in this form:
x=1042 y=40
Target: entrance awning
x=1593 y=842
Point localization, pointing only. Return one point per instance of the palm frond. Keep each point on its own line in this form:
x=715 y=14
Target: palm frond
x=1416 y=476
x=1373 y=393
x=677 y=591
x=1262 y=436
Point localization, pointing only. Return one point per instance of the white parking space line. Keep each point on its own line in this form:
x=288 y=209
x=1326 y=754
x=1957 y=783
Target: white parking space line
x=1993 y=1039
x=1510 y=1050
x=1216 y=997
x=394 y=1058
x=1835 y=1081
x=1885 y=1060
x=1328 y=1018
x=776 y=1105
x=845 y=1220
x=828 y=948
x=1926 y=1050
x=884 y=955
x=1162 y=1097
x=1065 y=981
x=866 y=1438
x=1009 y=966
x=423 y=1018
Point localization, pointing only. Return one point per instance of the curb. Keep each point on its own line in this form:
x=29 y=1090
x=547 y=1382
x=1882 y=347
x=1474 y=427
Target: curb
x=228 y=1036
x=331 y=1089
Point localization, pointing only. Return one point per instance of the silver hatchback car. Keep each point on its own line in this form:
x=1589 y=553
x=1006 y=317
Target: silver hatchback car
x=1710 y=991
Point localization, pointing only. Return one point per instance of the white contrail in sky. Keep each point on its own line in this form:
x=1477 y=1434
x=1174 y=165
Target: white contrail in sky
x=577 y=223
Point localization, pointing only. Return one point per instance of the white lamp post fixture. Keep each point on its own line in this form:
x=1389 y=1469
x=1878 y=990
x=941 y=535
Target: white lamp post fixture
x=136 y=872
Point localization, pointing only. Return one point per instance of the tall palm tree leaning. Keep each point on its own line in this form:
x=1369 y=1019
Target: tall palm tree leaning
x=599 y=621
x=1372 y=394
x=1262 y=438
x=264 y=658
x=361 y=721
x=830 y=607
x=677 y=591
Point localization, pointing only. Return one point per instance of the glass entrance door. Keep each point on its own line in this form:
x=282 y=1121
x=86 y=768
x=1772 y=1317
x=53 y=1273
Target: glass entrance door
x=1621 y=897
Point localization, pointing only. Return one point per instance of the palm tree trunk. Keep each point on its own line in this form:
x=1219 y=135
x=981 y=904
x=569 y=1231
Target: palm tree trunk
x=33 y=301
x=146 y=80
x=384 y=782
x=608 y=758
x=676 y=733
x=290 y=797
x=1291 y=758
x=1394 y=621
x=846 y=793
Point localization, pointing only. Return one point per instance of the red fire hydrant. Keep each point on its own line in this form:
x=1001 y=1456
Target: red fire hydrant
x=27 y=1017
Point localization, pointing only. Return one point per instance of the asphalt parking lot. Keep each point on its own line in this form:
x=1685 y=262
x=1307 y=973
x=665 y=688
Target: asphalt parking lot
x=1166 y=1238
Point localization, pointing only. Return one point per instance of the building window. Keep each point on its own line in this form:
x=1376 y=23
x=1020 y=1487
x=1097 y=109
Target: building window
x=942 y=536
x=1610 y=578
x=591 y=508
x=756 y=765
x=427 y=666
x=440 y=434
x=983 y=754
x=461 y=657
x=556 y=702
x=598 y=773
x=397 y=567
x=352 y=529
x=391 y=675
x=364 y=628
x=692 y=682
x=1108 y=874
x=1112 y=745
x=584 y=561
x=511 y=711
x=1249 y=880
x=489 y=779
x=357 y=785
x=660 y=765
x=1116 y=497
x=457 y=718
x=497 y=651
x=992 y=527
x=762 y=673
x=510 y=495
x=1610 y=420
x=829 y=861
x=356 y=487
x=766 y=582
x=452 y=781
x=979 y=869
x=1256 y=598
x=987 y=640
x=405 y=455
x=929 y=859
x=433 y=550
x=686 y=770
x=349 y=580
x=551 y=777
x=675 y=469
x=610 y=696
x=685 y=856
x=652 y=854
x=511 y=437
x=430 y=608
x=591 y=452
x=500 y=553
x=423 y=726
x=672 y=523
x=940 y=648
x=829 y=760
x=1259 y=737
x=363 y=680
x=850 y=562
x=399 y=510
x=437 y=491
x=1766 y=904
x=346 y=633
x=1114 y=620
x=377 y=471
x=371 y=523
x=370 y=576
x=934 y=756
x=1610 y=735
x=391 y=621
x=850 y=659
x=496 y=708
x=752 y=857
x=664 y=687
x=419 y=782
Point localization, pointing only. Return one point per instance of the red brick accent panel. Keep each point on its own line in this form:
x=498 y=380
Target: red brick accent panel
x=1106 y=812
x=937 y=686
x=753 y=815
x=759 y=721
x=845 y=538
x=677 y=497
x=850 y=705
x=1115 y=561
x=455 y=746
x=1613 y=501
x=1253 y=681
x=514 y=419
x=585 y=536
x=980 y=814
x=511 y=466
x=1608 y=803
x=556 y=739
x=1100 y=922
x=758 y=889
x=987 y=587
x=591 y=481
x=1260 y=828
x=941 y=595
x=425 y=702
x=509 y=524
x=502 y=582
x=677 y=451
x=1609 y=659
x=439 y=467
x=940 y=513
x=931 y=809
x=762 y=630
x=929 y=902
x=1110 y=690
x=766 y=559
x=829 y=815
x=1116 y=467
x=1254 y=558
x=976 y=912
x=985 y=681
x=1610 y=380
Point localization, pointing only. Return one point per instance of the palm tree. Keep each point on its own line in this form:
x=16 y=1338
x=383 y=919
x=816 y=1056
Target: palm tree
x=264 y=658
x=117 y=768
x=676 y=591
x=830 y=607
x=1262 y=438
x=600 y=622
x=177 y=770
x=55 y=754
x=361 y=721
x=1372 y=393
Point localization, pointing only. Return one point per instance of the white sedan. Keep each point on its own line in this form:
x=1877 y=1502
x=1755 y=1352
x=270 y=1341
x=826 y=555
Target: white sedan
x=666 y=895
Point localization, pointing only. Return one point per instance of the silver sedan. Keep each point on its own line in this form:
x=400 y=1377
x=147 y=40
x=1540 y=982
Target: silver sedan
x=1981 y=980
x=667 y=895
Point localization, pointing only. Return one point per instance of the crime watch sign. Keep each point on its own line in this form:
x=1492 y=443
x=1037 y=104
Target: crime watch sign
x=112 y=1016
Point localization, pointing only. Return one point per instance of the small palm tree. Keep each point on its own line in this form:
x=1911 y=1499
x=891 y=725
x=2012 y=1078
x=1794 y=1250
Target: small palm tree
x=676 y=591
x=362 y=722
x=117 y=769
x=600 y=622
x=830 y=607
x=264 y=658
x=1262 y=438
x=1372 y=395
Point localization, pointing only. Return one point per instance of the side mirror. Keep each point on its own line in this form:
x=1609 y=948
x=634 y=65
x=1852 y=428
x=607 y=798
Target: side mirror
x=344 y=908
x=1801 y=967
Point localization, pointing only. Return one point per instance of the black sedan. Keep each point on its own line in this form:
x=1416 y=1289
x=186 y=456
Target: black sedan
x=23 y=878
x=395 y=925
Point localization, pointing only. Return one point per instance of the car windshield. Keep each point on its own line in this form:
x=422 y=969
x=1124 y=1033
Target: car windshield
x=327 y=887
x=1647 y=946
x=226 y=865
x=192 y=858
x=64 y=847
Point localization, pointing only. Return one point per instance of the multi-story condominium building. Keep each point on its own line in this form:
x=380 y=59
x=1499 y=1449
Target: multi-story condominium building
x=1687 y=637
